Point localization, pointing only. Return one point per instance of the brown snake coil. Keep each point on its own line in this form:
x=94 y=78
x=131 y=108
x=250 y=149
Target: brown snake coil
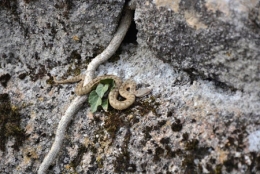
x=126 y=90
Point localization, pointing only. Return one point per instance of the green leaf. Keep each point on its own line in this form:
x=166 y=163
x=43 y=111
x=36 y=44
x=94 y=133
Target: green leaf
x=102 y=89
x=105 y=104
x=95 y=96
x=107 y=81
x=94 y=101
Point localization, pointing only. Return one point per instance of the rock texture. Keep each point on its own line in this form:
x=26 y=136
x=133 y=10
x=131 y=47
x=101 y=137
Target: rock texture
x=201 y=58
x=216 y=40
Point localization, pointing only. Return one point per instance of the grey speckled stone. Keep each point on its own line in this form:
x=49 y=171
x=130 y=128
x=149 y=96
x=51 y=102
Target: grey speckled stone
x=202 y=115
x=49 y=32
x=215 y=39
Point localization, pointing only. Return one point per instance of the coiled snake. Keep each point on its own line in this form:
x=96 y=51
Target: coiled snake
x=126 y=90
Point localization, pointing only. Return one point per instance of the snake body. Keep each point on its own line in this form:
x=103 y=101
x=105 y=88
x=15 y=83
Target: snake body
x=126 y=89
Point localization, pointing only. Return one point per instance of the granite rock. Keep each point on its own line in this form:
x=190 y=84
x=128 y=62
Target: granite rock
x=200 y=58
x=216 y=40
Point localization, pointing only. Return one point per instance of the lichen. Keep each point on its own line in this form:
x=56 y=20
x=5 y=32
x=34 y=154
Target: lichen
x=10 y=123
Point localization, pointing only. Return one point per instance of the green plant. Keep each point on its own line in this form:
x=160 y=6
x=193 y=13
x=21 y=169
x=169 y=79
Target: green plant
x=98 y=97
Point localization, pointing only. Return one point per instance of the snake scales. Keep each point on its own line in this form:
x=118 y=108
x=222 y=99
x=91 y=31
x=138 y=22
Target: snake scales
x=126 y=90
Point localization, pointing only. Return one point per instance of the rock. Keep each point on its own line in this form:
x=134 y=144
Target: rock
x=216 y=40
x=201 y=60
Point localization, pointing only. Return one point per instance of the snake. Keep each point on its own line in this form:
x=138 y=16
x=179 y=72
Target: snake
x=126 y=89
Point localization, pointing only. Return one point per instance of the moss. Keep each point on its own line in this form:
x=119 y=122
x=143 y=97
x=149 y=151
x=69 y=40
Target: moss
x=37 y=73
x=113 y=122
x=185 y=136
x=146 y=131
x=257 y=161
x=100 y=162
x=188 y=164
x=218 y=169
x=115 y=56
x=179 y=152
x=73 y=72
x=10 y=123
x=230 y=164
x=194 y=152
x=99 y=134
x=176 y=126
x=161 y=123
x=75 y=61
x=75 y=57
x=159 y=152
x=97 y=160
x=237 y=142
x=22 y=76
x=170 y=114
x=122 y=162
x=76 y=161
x=98 y=49
x=165 y=140
x=28 y=1
x=93 y=149
x=192 y=145
x=50 y=81
x=169 y=153
x=146 y=105
x=4 y=79
x=66 y=5
x=9 y=4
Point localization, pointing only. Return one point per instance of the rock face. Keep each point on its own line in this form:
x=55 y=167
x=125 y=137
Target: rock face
x=201 y=58
x=216 y=40
x=52 y=33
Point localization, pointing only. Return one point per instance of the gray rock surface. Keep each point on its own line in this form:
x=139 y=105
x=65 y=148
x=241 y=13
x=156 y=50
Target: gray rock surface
x=216 y=40
x=201 y=60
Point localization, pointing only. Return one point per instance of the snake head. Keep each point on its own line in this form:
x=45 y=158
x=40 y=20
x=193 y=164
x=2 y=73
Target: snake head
x=142 y=92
